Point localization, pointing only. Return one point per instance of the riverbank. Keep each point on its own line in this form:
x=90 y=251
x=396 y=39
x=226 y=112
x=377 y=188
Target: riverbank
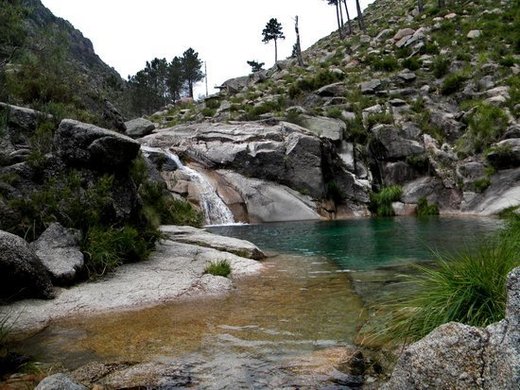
x=174 y=271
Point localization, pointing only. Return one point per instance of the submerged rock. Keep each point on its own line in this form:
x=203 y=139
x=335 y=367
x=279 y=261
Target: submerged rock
x=59 y=382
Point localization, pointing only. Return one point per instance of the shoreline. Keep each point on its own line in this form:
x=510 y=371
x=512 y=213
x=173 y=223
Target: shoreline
x=175 y=270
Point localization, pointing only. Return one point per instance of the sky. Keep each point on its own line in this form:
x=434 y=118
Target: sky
x=225 y=33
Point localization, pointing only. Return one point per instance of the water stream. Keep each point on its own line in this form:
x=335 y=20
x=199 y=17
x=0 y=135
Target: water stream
x=309 y=299
x=215 y=210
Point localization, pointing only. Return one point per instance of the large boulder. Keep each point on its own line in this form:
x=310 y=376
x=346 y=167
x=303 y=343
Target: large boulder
x=59 y=250
x=139 y=127
x=330 y=128
x=457 y=356
x=22 y=274
x=90 y=146
x=393 y=143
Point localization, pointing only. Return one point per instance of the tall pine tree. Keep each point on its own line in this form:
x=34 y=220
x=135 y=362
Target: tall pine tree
x=273 y=32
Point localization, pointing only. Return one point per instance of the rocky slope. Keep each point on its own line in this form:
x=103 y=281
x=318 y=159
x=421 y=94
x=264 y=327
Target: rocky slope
x=426 y=101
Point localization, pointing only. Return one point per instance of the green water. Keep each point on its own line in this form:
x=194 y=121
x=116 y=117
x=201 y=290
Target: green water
x=367 y=243
x=277 y=329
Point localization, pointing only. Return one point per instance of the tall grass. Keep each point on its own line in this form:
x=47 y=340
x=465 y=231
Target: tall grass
x=218 y=268
x=468 y=287
x=382 y=201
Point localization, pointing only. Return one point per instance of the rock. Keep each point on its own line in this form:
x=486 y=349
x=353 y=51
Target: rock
x=434 y=191
x=407 y=76
x=329 y=128
x=91 y=146
x=404 y=209
x=512 y=131
x=331 y=90
x=271 y=202
x=22 y=274
x=469 y=172
x=457 y=356
x=393 y=144
x=22 y=118
x=370 y=87
x=502 y=193
x=139 y=127
x=191 y=235
x=505 y=154
x=173 y=271
x=112 y=116
x=59 y=382
x=474 y=34
x=405 y=32
x=59 y=250
x=383 y=35
x=450 y=16
x=399 y=173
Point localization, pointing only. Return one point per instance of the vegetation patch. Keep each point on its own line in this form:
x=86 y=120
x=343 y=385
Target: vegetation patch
x=452 y=83
x=424 y=208
x=218 y=268
x=381 y=202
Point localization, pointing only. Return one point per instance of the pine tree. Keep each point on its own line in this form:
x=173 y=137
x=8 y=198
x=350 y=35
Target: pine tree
x=273 y=32
x=192 y=69
x=255 y=66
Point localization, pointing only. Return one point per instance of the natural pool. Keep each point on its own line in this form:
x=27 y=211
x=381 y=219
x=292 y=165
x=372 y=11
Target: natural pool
x=305 y=301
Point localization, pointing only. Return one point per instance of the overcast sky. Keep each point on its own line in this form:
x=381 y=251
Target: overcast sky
x=225 y=33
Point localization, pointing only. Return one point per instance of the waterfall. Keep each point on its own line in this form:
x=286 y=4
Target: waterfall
x=215 y=210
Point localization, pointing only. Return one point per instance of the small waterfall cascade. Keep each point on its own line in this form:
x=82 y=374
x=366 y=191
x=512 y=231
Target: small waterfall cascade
x=215 y=210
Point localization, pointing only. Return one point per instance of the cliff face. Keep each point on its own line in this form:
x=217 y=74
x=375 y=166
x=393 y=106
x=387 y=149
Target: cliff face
x=61 y=63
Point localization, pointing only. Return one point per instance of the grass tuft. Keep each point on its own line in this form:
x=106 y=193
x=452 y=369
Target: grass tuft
x=218 y=268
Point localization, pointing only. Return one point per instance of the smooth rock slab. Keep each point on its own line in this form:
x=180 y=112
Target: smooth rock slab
x=173 y=271
x=139 y=127
x=59 y=382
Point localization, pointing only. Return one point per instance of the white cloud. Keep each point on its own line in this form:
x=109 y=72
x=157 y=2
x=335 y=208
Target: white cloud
x=225 y=33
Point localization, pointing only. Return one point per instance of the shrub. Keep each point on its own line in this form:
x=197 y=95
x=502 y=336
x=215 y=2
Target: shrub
x=108 y=248
x=411 y=63
x=334 y=112
x=382 y=201
x=212 y=103
x=452 y=83
x=379 y=118
x=425 y=209
x=440 y=66
x=467 y=287
x=386 y=63
x=485 y=125
x=481 y=184
x=210 y=112
x=218 y=268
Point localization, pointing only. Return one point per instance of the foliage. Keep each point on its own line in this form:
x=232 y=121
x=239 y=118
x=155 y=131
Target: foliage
x=160 y=82
x=273 y=32
x=256 y=66
x=379 y=118
x=485 y=124
x=452 y=83
x=106 y=248
x=386 y=63
x=309 y=84
x=424 y=208
x=334 y=192
x=440 y=66
x=481 y=184
x=467 y=287
x=218 y=268
x=411 y=63
x=381 y=202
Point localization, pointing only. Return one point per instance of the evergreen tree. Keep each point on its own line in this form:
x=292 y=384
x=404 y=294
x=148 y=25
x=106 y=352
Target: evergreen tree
x=192 y=69
x=361 y=22
x=273 y=32
x=348 y=17
x=175 y=80
x=255 y=66
x=336 y=3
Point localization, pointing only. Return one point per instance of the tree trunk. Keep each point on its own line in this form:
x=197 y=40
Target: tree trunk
x=348 y=17
x=361 y=22
x=275 y=51
x=339 y=23
x=298 y=45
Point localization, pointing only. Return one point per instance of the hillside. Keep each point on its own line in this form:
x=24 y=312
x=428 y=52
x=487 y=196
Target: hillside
x=46 y=63
x=425 y=101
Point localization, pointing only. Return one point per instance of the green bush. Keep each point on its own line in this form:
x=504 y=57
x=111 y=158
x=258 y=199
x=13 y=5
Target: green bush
x=108 y=248
x=218 y=268
x=424 y=208
x=452 y=83
x=386 y=63
x=467 y=287
x=411 y=63
x=379 y=118
x=209 y=112
x=381 y=202
x=440 y=66
x=485 y=125
x=482 y=184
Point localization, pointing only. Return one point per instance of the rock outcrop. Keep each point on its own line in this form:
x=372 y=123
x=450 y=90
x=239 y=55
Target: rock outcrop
x=139 y=127
x=59 y=251
x=259 y=169
x=457 y=356
x=22 y=274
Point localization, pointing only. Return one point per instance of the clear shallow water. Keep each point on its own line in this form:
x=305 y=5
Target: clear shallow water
x=265 y=333
x=366 y=243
